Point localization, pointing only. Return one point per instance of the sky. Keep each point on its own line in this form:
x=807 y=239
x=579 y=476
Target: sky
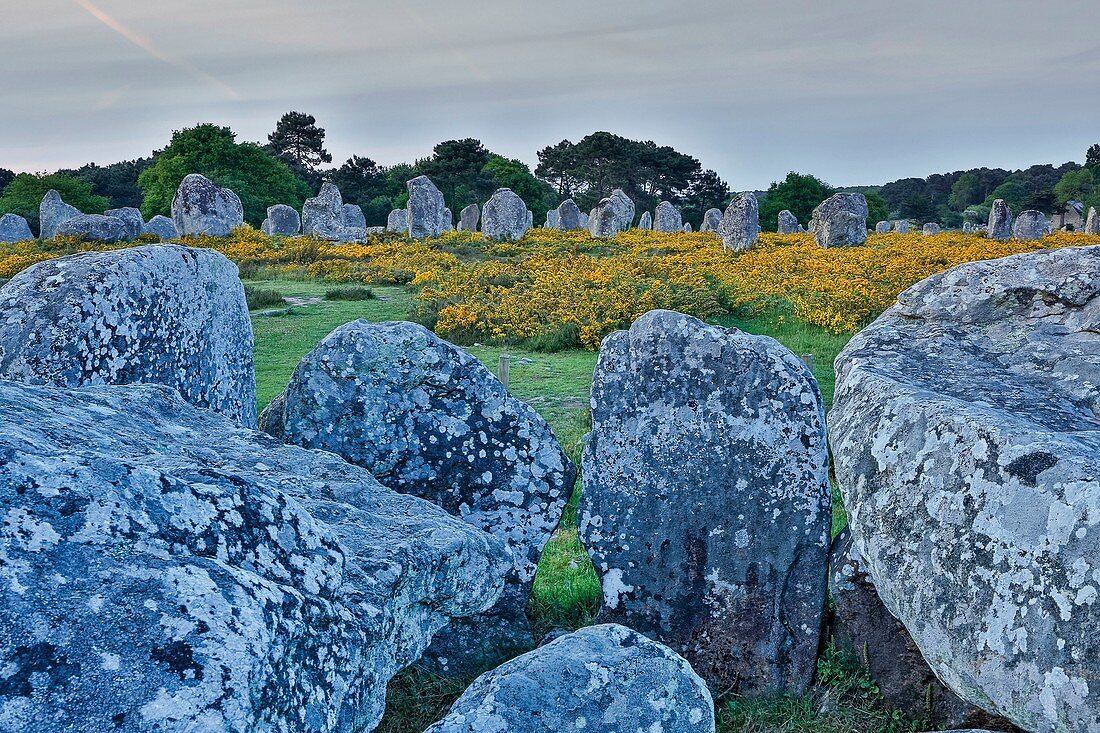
x=853 y=91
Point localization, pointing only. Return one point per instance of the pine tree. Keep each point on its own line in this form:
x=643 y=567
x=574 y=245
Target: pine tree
x=299 y=141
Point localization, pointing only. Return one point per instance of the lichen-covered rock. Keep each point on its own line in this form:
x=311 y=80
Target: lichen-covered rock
x=930 y=229
x=570 y=216
x=840 y=221
x=354 y=217
x=504 y=217
x=427 y=418
x=1030 y=225
x=53 y=212
x=645 y=221
x=686 y=227
x=398 y=221
x=601 y=679
x=711 y=219
x=666 y=218
x=14 y=228
x=95 y=228
x=282 y=221
x=162 y=227
x=611 y=215
x=788 y=223
x=706 y=505
x=200 y=206
x=553 y=220
x=468 y=218
x=323 y=215
x=530 y=220
x=167 y=570
x=901 y=226
x=135 y=224
x=884 y=227
x=427 y=214
x=159 y=314
x=1092 y=221
x=740 y=225
x=1000 y=222
x=964 y=443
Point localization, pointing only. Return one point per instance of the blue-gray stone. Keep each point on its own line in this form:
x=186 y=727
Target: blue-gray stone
x=1000 y=221
x=135 y=224
x=787 y=223
x=53 y=212
x=468 y=218
x=161 y=226
x=201 y=207
x=711 y=219
x=427 y=214
x=281 y=221
x=14 y=228
x=740 y=224
x=666 y=218
x=840 y=221
x=1030 y=225
x=504 y=217
x=570 y=216
x=96 y=228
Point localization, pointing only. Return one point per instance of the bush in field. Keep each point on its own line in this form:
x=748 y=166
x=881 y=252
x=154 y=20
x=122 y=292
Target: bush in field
x=350 y=293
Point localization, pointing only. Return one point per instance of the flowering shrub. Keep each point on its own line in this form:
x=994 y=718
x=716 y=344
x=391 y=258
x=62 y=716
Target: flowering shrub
x=566 y=288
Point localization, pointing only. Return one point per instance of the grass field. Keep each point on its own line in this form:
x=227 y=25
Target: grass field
x=566 y=592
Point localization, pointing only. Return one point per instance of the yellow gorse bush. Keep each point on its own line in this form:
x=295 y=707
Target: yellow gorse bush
x=553 y=283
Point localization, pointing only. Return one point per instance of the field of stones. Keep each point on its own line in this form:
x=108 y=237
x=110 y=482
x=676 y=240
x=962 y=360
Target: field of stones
x=603 y=474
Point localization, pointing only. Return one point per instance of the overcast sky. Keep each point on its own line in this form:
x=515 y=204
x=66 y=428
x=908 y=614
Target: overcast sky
x=854 y=91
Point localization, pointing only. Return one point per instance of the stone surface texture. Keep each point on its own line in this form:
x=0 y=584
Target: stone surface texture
x=505 y=217
x=200 y=206
x=840 y=221
x=52 y=212
x=740 y=225
x=426 y=213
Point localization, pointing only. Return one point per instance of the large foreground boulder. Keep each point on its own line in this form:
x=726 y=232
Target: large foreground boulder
x=160 y=314
x=740 y=225
x=706 y=506
x=96 y=228
x=166 y=570
x=14 y=228
x=427 y=418
x=601 y=679
x=200 y=206
x=840 y=221
x=666 y=218
x=964 y=436
x=1000 y=222
x=504 y=217
x=53 y=212
x=427 y=214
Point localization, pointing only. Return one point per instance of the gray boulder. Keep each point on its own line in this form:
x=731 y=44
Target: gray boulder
x=611 y=215
x=570 y=217
x=158 y=314
x=884 y=227
x=1092 y=222
x=686 y=227
x=530 y=219
x=901 y=226
x=426 y=209
x=354 y=216
x=427 y=418
x=135 y=224
x=788 y=223
x=14 y=228
x=53 y=212
x=553 y=220
x=166 y=570
x=95 y=228
x=282 y=221
x=1030 y=225
x=931 y=229
x=740 y=225
x=706 y=505
x=964 y=443
x=840 y=221
x=666 y=218
x=162 y=227
x=398 y=221
x=711 y=219
x=601 y=679
x=468 y=218
x=645 y=221
x=1000 y=222
x=202 y=207
x=323 y=215
x=504 y=217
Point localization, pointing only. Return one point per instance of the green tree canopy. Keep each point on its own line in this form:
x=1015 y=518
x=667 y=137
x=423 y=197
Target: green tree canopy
x=117 y=181
x=6 y=177
x=1014 y=192
x=300 y=143
x=707 y=191
x=1078 y=185
x=457 y=168
x=259 y=178
x=514 y=174
x=24 y=195
x=799 y=193
x=877 y=208
x=362 y=181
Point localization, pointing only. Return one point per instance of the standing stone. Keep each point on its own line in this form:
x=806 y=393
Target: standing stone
x=706 y=504
x=1030 y=225
x=711 y=219
x=427 y=418
x=967 y=227
x=14 y=228
x=570 y=217
x=53 y=212
x=95 y=228
x=788 y=223
x=398 y=221
x=505 y=217
x=161 y=227
x=883 y=227
x=666 y=218
x=740 y=225
x=1000 y=222
x=931 y=229
x=447 y=220
x=646 y=221
x=165 y=570
x=354 y=216
x=553 y=220
x=686 y=227
x=158 y=314
x=611 y=215
x=1092 y=223
x=202 y=207
x=901 y=226
x=323 y=215
x=601 y=679
x=282 y=221
x=964 y=442
x=135 y=224
x=426 y=209
x=468 y=218
x=840 y=221
x=530 y=220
